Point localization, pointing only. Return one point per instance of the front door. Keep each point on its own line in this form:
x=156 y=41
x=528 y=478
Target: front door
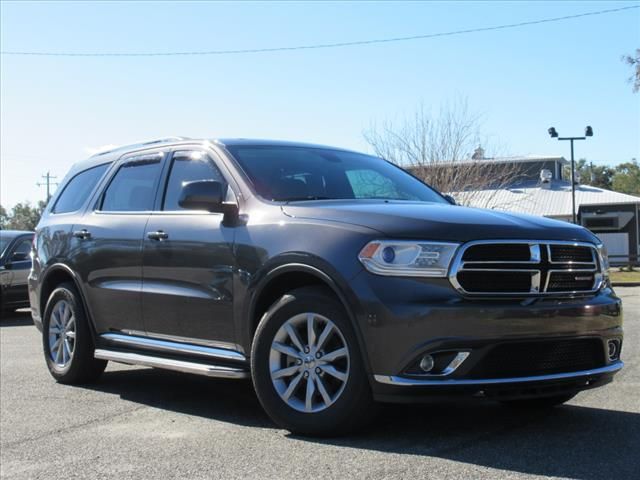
x=188 y=262
x=18 y=265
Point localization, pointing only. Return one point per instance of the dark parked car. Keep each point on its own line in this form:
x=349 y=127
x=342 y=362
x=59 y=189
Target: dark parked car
x=332 y=278
x=15 y=263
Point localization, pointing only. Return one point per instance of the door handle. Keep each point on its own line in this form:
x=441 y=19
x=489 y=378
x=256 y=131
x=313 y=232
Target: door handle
x=83 y=234
x=159 y=235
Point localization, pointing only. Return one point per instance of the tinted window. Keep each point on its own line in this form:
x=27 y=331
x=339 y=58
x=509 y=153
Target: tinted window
x=302 y=173
x=133 y=188
x=78 y=189
x=188 y=167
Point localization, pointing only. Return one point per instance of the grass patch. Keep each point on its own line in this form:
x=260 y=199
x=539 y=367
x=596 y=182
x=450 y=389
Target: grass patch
x=618 y=276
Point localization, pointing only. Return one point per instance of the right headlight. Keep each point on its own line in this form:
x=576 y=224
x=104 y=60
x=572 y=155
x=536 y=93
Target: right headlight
x=403 y=258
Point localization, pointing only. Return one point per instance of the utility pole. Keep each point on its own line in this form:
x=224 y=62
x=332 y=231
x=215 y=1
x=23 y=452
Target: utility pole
x=48 y=177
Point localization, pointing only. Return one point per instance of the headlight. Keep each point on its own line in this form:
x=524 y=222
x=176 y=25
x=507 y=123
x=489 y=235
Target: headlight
x=408 y=259
x=604 y=259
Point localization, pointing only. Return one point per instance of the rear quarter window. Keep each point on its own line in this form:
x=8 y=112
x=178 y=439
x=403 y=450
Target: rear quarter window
x=78 y=189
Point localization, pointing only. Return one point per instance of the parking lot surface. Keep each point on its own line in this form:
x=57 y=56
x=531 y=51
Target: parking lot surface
x=143 y=423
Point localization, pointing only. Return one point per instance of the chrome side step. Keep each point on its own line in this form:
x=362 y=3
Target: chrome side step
x=171 y=364
x=168 y=346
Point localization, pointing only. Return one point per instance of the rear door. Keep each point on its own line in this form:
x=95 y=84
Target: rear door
x=108 y=256
x=188 y=261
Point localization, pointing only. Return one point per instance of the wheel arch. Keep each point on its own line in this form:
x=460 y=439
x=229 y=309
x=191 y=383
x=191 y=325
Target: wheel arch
x=289 y=276
x=55 y=275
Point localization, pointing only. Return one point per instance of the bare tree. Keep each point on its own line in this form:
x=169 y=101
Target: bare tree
x=443 y=150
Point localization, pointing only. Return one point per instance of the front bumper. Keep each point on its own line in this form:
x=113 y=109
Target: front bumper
x=400 y=320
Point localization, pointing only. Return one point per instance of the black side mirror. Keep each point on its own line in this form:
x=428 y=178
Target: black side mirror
x=19 y=257
x=207 y=195
x=202 y=195
x=450 y=199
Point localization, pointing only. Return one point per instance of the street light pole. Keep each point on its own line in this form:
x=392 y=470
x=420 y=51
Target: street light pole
x=588 y=133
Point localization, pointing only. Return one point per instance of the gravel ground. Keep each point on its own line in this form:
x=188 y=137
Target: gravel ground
x=143 y=423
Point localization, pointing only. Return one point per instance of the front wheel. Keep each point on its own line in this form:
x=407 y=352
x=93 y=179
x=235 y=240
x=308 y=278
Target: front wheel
x=66 y=338
x=307 y=368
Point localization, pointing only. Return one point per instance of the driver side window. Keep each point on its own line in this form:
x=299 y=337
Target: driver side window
x=188 y=166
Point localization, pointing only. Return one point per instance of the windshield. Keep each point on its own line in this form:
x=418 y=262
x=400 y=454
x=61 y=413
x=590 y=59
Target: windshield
x=307 y=173
x=4 y=242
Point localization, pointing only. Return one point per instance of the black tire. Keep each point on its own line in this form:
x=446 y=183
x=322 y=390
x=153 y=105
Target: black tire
x=82 y=367
x=352 y=409
x=539 y=403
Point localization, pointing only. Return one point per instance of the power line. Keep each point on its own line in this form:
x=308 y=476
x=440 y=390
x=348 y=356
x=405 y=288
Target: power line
x=320 y=45
x=48 y=183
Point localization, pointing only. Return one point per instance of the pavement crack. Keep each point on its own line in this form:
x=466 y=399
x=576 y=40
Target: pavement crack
x=72 y=427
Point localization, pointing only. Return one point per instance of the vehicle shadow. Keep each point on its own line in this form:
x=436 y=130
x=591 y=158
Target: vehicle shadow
x=16 y=319
x=230 y=401
x=572 y=441
x=569 y=441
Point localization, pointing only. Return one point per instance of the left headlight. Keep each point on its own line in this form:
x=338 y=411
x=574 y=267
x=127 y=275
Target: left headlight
x=403 y=258
x=604 y=259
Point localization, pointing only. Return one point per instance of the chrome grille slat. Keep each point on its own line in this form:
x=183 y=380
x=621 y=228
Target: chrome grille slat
x=556 y=267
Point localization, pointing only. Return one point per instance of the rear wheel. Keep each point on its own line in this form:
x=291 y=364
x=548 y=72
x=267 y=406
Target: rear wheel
x=66 y=337
x=307 y=368
x=539 y=403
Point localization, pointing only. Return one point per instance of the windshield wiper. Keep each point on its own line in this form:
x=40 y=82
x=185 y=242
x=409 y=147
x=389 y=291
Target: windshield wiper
x=302 y=199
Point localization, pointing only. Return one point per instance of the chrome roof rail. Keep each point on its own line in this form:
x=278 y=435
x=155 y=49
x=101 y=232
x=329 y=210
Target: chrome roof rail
x=143 y=144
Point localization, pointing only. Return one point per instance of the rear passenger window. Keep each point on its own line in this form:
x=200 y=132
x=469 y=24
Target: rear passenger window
x=133 y=187
x=188 y=167
x=78 y=189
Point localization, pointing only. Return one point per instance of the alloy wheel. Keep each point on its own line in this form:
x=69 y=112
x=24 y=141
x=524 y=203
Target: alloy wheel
x=309 y=362
x=62 y=334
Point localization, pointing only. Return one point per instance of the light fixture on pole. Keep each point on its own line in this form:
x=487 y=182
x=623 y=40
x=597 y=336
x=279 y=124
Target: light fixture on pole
x=588 y=132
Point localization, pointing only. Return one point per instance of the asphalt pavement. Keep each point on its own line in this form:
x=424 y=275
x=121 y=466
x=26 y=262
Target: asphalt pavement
x=140 y=423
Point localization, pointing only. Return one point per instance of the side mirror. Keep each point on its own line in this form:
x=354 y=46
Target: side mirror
x=19 y=257
x=201 y=195
x=206 y=195
x=450 y=199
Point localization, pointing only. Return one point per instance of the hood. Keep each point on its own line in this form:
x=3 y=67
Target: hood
x=435 y=221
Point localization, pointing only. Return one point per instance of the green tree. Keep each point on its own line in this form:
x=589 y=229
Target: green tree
x=23 y=216
x=4 y=217
x=627 y=178
x=595 y=175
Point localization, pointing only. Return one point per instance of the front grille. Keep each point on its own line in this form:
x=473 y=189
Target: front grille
x=512 y=252
x=570 y=281
x=571 y=254
x=520 y=359
x=476 y=281
x=524 y=268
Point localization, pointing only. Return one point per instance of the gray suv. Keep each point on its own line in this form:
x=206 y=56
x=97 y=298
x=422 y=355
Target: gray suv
x=333 y=279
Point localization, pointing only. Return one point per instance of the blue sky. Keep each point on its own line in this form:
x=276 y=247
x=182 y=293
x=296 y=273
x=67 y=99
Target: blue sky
x=54 y=110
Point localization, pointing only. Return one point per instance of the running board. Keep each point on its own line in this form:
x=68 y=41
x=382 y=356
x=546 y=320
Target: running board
x=171 y=364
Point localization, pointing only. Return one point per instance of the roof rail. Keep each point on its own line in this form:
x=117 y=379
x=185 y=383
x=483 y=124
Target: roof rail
x=143 y=144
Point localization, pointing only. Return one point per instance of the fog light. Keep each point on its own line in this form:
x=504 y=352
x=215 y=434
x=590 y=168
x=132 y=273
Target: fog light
x=427 y=363
x=613 y=349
